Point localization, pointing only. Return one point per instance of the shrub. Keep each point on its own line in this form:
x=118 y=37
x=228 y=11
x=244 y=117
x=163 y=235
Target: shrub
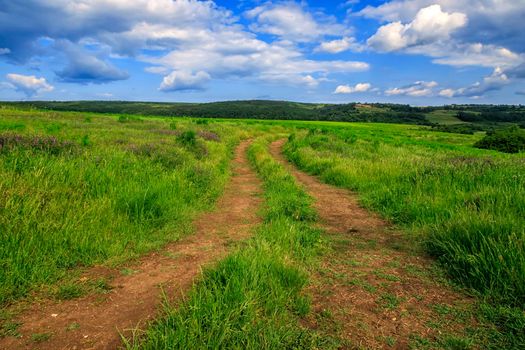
x=510 y=140
x=467 y=129
x=188 y=138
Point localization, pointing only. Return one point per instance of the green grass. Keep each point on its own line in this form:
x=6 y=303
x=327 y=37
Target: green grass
x=445 y=117
x=253 y=298
x=466 y=205
x=78 y=190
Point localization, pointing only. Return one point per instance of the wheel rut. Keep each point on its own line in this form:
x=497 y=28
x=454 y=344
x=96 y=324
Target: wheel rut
x=133 y=299
x=371 y=291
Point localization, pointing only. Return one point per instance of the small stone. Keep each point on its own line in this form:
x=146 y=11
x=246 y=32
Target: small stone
x=54 y=315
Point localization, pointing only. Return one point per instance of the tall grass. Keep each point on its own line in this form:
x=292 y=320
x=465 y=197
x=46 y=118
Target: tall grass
x=117 y=190
x=468 y=204
x=251 y=299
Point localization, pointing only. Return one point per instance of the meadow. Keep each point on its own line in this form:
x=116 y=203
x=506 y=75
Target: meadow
x=80 y=189
x=466 y=205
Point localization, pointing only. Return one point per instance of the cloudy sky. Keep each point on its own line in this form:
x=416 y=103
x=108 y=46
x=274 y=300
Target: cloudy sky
x=407 y=51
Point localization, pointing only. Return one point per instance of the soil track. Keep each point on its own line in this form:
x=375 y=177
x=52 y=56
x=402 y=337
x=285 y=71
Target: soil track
x=372 y=292
x=95 y=321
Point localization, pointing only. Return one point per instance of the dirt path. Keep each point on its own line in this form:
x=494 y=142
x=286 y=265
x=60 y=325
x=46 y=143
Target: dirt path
x=370 y=291
x=94 y=321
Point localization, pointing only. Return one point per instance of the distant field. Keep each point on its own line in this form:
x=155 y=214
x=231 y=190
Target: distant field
x=443 y=117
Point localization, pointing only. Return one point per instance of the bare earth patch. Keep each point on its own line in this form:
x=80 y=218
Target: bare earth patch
x=97 y=320
x=371 y=292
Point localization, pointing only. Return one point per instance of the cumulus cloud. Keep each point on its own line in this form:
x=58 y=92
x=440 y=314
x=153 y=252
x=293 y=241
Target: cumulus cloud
x=272 y=62
x=497 y=80
x=417 y=89
x=430 y=24
x=458 y=54
x=84 y=67
x=172 y=36
x=28 y=84
x=292 y=22
x=184 y=80
x=339 y=45
x=490 y=22
x=346 y=89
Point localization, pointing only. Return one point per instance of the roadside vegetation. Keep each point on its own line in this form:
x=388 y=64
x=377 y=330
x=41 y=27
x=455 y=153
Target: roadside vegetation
x=466 y=206
x=252 y=299
x=78 y=190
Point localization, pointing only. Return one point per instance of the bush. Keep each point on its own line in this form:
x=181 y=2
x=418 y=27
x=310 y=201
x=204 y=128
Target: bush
x=510 y=140
x=188 y=138
x=467 y=129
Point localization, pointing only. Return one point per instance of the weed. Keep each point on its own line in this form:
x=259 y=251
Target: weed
x=9 y=328
x=40 y=337
x=389 y=301
x=69 y=291
x=73 y=326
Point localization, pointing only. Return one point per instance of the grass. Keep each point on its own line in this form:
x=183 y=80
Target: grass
x=130 y=186
x=445 y=117
x=466 y=205
x=253 y=298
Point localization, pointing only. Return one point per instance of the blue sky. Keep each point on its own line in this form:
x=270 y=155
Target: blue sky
x=422 y=52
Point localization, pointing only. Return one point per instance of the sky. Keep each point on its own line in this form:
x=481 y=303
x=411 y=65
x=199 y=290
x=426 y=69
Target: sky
x=420 y=52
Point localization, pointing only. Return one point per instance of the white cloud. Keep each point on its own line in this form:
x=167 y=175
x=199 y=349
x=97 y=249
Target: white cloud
x=447 y=93
x=490 y=22
x=184 y=80
x=177 y=36
x=418 y=89
x=497 y=80
x=249 y=57
x=346 y=89
x=459 y=55
x=339 y=45
x=431 y=24
x=29 y=84
x=4 y=51
x=292 y=22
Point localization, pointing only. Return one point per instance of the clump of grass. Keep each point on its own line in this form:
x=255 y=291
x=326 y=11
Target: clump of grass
x=70 y=290
x=40 y=337
x=188 y=138
x=129 y=118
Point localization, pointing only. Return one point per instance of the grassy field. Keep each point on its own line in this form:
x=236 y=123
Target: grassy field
x=443 y=117
x=467 y=205
x=80 y=189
